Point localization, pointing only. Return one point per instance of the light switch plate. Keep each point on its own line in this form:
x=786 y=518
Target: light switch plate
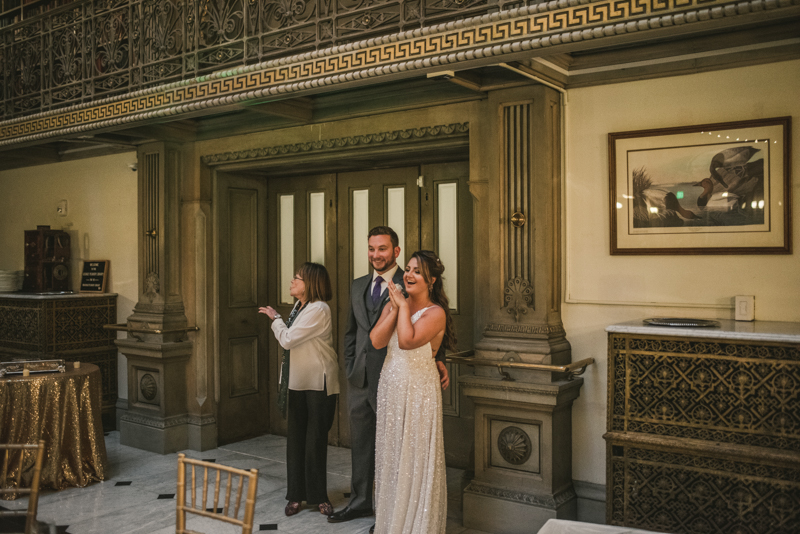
x=745 y=308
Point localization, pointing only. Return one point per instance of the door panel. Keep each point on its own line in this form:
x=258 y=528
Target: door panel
x=242 y=345
x=304 y=218
x=244 y=366
x=366 y=200
x=242 y=239
x=446 y=227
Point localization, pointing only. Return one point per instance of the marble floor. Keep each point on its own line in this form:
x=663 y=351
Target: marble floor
x=138 y=495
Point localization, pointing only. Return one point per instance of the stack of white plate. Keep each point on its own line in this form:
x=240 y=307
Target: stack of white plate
x=11 y=280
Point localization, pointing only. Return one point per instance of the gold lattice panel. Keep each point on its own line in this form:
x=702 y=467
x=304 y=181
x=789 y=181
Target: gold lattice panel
x=703 y=435
x=68 y=328
x=675 y=492
x=742 y=393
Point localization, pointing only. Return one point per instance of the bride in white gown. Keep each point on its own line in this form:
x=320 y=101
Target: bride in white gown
x=410 y=481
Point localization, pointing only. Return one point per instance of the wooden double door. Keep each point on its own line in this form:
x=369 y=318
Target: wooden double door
x=267 y=227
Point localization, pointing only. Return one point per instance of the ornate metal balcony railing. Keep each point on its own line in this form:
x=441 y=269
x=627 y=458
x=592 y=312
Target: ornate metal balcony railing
x=91 y=49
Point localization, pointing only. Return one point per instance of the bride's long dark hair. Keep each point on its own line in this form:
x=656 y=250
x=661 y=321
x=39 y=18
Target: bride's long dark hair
x=431 y=268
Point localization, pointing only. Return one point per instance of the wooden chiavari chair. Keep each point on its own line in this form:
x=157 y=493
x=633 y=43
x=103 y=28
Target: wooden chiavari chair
x=7 y=488
x=230 y=511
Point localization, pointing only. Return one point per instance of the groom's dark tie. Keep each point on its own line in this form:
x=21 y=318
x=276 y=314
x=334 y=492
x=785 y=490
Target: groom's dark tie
x=376 y=291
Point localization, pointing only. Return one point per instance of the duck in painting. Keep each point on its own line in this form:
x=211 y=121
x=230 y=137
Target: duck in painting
x=737 y=186
x=656 y=207
x=728 y=158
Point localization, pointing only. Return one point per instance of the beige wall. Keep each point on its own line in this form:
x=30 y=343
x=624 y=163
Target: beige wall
x=101 y=195
x=601 y=289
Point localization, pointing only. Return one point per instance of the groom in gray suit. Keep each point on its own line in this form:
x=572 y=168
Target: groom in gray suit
x=363 y=363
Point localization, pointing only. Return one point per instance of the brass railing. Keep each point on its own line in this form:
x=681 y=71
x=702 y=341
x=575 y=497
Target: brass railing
x=571 y=370
x=123 y=327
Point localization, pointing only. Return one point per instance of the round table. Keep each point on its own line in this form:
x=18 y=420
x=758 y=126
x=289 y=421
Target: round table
x=63 y=409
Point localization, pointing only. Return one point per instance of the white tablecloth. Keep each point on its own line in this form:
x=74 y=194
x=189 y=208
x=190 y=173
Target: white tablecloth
x=561 y=526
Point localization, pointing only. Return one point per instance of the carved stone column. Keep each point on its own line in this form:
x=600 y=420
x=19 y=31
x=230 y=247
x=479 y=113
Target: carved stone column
x=156 y=347
x=523 y=425
x=526 y=314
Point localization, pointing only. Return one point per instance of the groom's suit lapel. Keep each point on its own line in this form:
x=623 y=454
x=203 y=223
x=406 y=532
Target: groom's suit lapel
x=396 y=279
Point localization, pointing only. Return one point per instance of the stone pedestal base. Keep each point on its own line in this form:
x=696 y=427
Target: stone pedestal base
x=156 y=418
x=523 y=454
x=495 y=509
x=154 y=435
x=202 y=433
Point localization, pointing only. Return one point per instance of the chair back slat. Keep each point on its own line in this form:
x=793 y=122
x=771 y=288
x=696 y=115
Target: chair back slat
x=228 y=488
x=216 y=490
x=205 y=489
x=8 y=486
x=238 y=497
x=234 y=475
x=194 y=490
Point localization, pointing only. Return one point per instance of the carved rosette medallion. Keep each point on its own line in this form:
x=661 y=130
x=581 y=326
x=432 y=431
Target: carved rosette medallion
x=151 y=285
x=519 y=295
x=148 y=387
x=514 y=445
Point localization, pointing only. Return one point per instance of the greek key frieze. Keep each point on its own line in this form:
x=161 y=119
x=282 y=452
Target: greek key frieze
x=488 y=35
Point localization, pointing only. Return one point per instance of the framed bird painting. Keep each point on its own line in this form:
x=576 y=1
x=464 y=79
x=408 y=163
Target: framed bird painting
x=710 y=189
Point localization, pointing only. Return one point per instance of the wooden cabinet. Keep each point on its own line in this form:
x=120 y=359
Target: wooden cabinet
x=704 y=428
x=68 y=326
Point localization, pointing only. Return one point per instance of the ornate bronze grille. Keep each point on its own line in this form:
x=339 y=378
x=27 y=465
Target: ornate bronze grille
x=87 y=50
x=66 y=328
x=704 y=435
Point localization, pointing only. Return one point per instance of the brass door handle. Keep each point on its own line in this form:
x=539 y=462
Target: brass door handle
x=151 y=233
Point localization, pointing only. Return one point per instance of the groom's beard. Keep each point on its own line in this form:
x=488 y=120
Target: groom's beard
x=381 y=265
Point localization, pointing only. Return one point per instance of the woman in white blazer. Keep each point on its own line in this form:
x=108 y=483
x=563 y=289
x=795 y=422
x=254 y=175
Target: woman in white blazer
x=311 y=388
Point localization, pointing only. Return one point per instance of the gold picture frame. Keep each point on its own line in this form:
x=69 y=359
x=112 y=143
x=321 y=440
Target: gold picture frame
x=722 y=188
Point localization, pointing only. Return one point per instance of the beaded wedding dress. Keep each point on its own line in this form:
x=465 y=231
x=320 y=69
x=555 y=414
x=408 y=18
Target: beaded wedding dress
x=409 y=457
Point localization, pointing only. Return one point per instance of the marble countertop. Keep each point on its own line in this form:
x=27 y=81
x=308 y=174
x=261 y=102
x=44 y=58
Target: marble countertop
x=728 y=329
x=53 y=295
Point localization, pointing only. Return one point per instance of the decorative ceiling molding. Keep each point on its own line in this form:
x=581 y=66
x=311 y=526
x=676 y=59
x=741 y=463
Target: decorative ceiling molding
x=480 y=40
x=341 y=143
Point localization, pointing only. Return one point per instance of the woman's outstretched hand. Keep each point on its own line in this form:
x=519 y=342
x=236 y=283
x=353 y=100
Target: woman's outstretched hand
x=269 y=311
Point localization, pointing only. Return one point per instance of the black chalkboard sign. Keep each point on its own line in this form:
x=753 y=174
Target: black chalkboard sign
x=94 y=276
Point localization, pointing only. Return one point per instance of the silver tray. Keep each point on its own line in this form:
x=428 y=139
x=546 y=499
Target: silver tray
x=33 y=366
x=681 y=322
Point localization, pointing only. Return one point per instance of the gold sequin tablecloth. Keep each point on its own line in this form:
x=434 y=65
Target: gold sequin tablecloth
x=63 y=409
